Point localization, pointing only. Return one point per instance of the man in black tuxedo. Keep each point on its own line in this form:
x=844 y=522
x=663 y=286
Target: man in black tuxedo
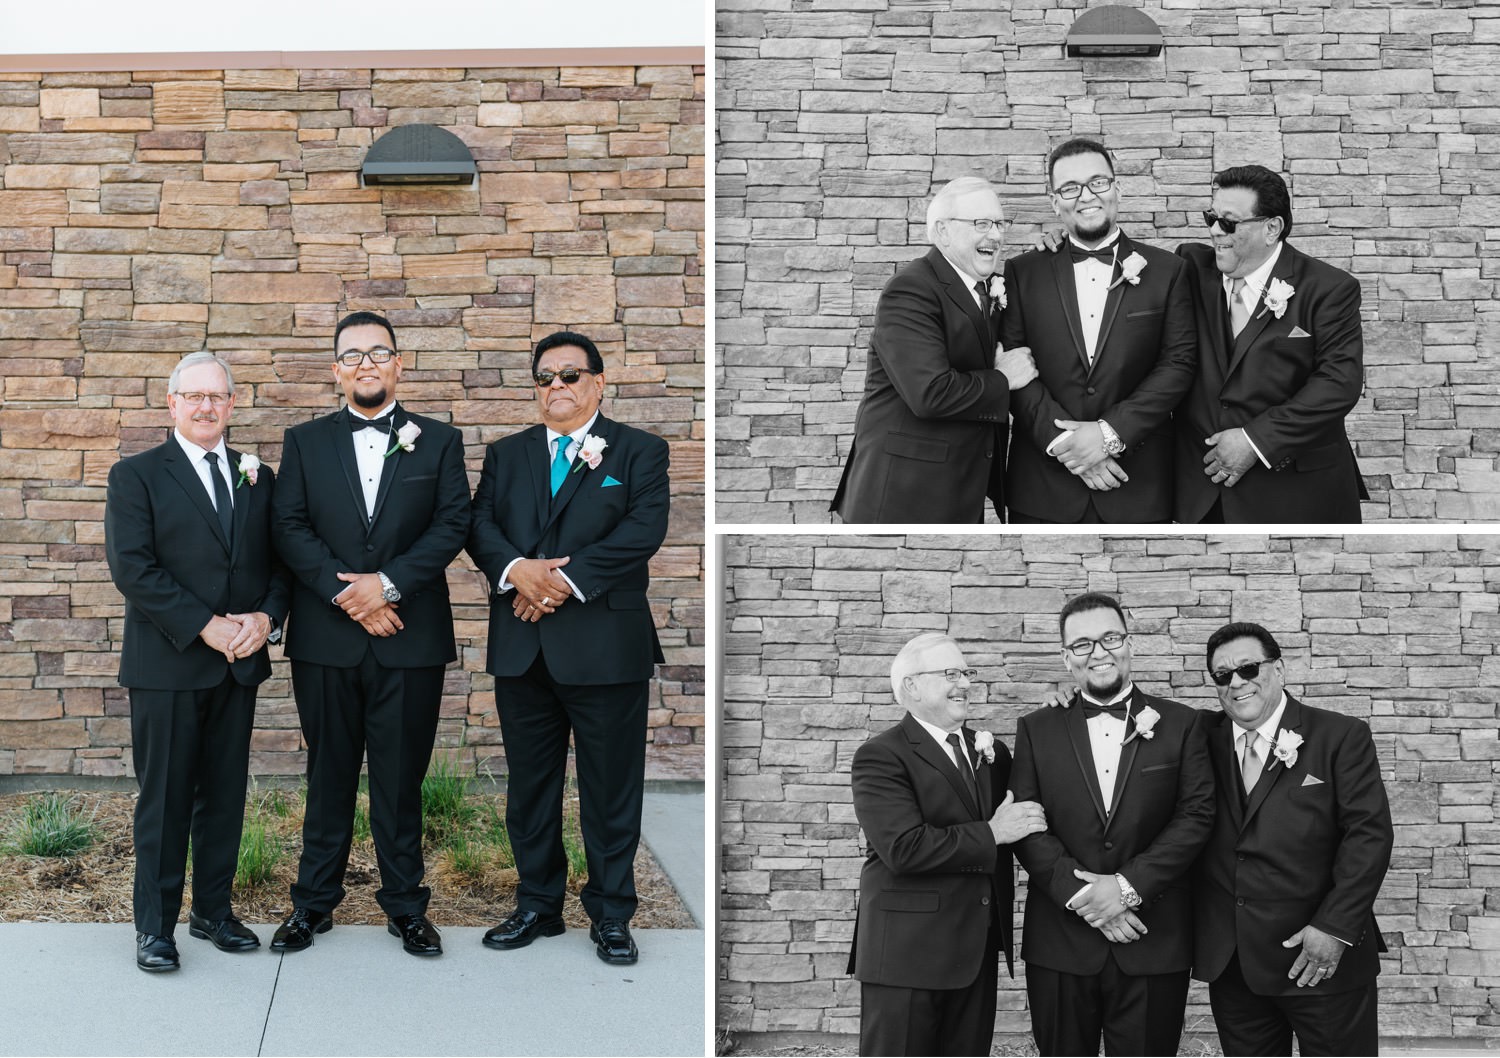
x=930 y=437
x=1260 y=436
x=372 y=507
x=1128 y=791
x=1110 y=325
x=1285 y=924
x=187 y=532
x=566 y=518
x=935 y=892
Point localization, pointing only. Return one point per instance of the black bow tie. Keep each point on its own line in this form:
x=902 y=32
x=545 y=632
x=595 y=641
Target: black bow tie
x=359 y=422
x=1117 y=710
x=1103 y=253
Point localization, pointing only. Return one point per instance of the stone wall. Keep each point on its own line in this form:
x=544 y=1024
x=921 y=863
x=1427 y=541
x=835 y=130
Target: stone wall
x=838 y=120
x=148 y=214
x=1401 y=631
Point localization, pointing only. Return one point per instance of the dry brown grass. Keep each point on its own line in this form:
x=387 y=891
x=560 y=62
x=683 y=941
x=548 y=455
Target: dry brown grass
x=96 y=885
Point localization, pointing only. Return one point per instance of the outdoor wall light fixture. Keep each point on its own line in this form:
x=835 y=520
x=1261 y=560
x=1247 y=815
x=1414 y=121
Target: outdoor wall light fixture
x=418 y=154
x=1113 y=32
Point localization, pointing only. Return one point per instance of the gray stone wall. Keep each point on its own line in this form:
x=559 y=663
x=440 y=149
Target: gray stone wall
x=837 y=120
x=1401 y=631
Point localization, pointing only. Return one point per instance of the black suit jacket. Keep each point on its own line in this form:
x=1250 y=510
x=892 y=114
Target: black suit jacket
x=1144 y=362
x=934 y=882
x=932 y=424
x=1289 y=392
x=421 y=520
x=1159 y=820
x=168 y=556
x=1311 y=846
x=609 y=521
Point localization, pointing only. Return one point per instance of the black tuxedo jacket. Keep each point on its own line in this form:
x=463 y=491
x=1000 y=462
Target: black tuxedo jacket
x=1310 y=845
x=1159 y=820
x=932 y=424
x=1144 y=362
x=1288 y=382
x=934 y=882
x=609 y=521
x=421 y=520
x=168 y=556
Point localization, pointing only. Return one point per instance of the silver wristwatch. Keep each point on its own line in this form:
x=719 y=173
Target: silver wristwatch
x=1128 y=896
x=1112 y=443
x=388 y=590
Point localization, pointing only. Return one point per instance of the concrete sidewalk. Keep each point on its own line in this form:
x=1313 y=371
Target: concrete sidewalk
x=69 y=988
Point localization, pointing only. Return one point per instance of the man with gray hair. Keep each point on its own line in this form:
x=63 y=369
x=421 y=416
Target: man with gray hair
x=929 y=440
x=187 y=532
x=935 y=891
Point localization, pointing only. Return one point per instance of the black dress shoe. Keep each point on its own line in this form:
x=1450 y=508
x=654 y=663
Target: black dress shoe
x=297 y=931
x=612 y=941
x=418 y=936
x=155 y=954
x=522 y=928
x=227 y=934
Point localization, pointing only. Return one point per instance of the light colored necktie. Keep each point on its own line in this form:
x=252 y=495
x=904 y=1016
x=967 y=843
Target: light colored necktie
x=1238 y=314
x=560 y=463
x=1250 y=769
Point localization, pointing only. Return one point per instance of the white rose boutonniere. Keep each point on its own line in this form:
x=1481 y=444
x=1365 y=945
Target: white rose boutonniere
x=1130 y=270
x=591 y=452
x=1277 y=295
x=1145 y=722
x=406 y=438
x=997 y=291
x=984 y=742
x=249 y=469
x=1285 y=747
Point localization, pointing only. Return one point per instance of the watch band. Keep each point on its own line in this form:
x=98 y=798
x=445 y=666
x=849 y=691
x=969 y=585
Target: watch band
x=1112 y=443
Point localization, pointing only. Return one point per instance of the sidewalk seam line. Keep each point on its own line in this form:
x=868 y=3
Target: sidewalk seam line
x=260 y=1048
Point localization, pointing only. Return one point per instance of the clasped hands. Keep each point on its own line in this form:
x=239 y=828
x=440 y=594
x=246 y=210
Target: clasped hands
x=236 y=635
x=1101 y=906
x=540 y=589
x=364 y=601
x=1080 y=448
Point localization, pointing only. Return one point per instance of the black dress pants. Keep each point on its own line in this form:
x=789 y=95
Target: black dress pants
x=1132 y=1013
x=1325 y=1023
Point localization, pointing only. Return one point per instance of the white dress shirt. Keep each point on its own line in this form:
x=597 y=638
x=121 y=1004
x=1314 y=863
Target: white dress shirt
x=370 y=447
x=1266 y=731
x=575 y=442
x=941 y=738
x=1091 y=278
x=1106 y=738
x=201 y=468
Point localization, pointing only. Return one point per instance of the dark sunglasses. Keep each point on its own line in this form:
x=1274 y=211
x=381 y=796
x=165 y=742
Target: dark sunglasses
x=1211 y=218
x=1248 y=671
x=569 y=375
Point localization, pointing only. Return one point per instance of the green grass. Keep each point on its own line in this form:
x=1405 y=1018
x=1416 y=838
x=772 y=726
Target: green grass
x=572 y=834
x=260 y=852
x=446 y=807
x=468 y=858
x=497 y=837
x=362 y=810
x=51 y=824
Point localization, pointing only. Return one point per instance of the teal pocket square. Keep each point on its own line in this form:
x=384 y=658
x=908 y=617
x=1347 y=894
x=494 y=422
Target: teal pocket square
x=608 y=481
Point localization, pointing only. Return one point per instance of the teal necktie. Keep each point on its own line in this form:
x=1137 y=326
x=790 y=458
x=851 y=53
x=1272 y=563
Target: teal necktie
x=560 y=464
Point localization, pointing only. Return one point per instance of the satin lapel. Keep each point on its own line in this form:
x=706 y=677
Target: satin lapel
x=343 y=444
x=182 y=471
x=1226 y=768
x=1067 y=293
x=962 y=296
x=1127 y=754
x=1291 y=719
x=1078 y=735
x=240 y=497
x=1216 y=308
x=1260 y=316
x=1113 y=298
x=577 y=472
x=931 y=753
x=391 y=463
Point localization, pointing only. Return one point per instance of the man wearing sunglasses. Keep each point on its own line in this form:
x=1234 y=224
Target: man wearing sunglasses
x=1285 y=926
x=929 y=440
x=566 y=519
x=1260 y=436
x=372 y=505
x=935 y=891
x=1110 y=323
x=1126 y=784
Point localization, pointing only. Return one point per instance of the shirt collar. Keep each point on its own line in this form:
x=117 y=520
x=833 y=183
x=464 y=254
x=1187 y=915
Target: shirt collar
x=196 y=454
x=383 y=411
x=1266 y=730
x=1125 y=692
x=969 y=280
x=577 y=435
x=1114 y=238
x=938 y=734
x=1258 y=280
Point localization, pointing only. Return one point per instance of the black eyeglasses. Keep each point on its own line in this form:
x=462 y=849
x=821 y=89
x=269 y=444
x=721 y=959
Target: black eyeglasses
x=982 y=225
x=1248 y=671
x=569 y=375
x=952 y=675
x=1110 y=641
x=354 y=357
x=218 y=400
x=1211 y=218
x=1098 y=185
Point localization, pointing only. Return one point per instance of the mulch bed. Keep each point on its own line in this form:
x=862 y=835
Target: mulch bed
x=96 y=885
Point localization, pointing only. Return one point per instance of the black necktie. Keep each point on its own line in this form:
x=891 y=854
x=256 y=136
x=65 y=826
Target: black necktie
x=962 y=763
x=221 y=497
x=983 y=290
x=359 y=422
x=1117 y=710
x=1103 y=253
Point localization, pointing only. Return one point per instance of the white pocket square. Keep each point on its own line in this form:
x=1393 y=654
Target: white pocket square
x=1298 y=332
x=1311 y=780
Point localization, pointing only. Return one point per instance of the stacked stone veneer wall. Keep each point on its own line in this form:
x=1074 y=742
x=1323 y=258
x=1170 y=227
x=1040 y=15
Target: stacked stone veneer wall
x=838 y=120
x=148 y=214
x=1400 y=631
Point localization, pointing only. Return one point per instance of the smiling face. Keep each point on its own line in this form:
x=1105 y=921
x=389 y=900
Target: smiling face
x=1251 y=244
x=1101 y=673
x=1248 y=702
x=965 y=248
x=369 y=386
x=1090 y=217
x=565 y=408
x=201 y=423
x=931 y=696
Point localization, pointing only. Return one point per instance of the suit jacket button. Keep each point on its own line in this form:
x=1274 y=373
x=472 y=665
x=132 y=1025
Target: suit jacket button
x=1240 y=902
x=1241 y=857
x=1090 y=391
x=984 y=900
x=369 y=547
x=1109 y=844
x=541 y=554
